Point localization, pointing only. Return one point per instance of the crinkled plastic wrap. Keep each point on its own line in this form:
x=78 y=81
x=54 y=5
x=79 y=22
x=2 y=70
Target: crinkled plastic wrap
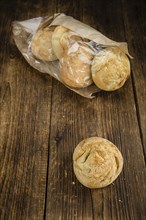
x=75 y=50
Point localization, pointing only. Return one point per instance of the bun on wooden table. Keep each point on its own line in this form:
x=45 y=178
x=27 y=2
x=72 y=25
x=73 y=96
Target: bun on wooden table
x=97 y=162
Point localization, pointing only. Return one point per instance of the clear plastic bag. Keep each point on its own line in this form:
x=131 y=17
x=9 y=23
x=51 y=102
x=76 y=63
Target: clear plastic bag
x=63 y=48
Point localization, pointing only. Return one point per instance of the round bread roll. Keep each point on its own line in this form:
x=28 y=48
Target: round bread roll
x=41 y=45
x=97 y=162
x=110 y=69
x=61 y=38
x=75 y=70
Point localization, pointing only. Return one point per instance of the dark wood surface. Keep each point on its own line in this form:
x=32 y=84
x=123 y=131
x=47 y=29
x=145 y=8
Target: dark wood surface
x=41 y=122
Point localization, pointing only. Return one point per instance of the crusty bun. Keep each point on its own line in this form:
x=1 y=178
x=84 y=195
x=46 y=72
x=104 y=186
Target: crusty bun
x=61 y=38
x=97 y=162
x=110 y=69
x=41 y=45
x=75 y=66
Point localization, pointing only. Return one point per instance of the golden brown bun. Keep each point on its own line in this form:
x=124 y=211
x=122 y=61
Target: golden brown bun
x=97 y=162
x=56 y=36
x=61 y=38
x=75 y=65
x=110 y=69
x=41 y=45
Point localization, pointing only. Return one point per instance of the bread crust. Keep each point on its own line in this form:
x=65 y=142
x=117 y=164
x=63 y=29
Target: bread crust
x=75 y=66
x=110 y=69
x=61 y=38
x=41 y=45
x=97 y=162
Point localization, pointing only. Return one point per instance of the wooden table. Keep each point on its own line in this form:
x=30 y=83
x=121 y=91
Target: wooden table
x=42 y=121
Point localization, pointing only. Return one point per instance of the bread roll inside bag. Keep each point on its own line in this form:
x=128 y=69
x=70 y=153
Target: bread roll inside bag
x=23 y=32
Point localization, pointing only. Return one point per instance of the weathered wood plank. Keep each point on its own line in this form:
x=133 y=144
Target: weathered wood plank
x=24 y=121
x=111 y=115
x=135 y=30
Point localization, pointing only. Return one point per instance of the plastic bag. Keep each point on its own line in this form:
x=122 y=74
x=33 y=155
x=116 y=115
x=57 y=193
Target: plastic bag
x=74 y=43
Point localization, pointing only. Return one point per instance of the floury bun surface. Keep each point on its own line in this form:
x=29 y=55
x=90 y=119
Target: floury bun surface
x=41 y=45
x=110 y=69
x=75 y=65
x=61 y=38
x=97 y=162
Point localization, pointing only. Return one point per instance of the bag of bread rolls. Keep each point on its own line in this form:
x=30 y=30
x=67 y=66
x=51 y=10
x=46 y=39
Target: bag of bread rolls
x=77 y=55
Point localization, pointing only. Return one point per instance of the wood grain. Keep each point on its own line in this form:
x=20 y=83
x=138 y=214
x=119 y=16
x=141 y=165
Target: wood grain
x=41 y=122
x=135 y=30
x=24 y=122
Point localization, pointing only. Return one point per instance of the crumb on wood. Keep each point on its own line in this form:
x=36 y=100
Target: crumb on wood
x=120 y=200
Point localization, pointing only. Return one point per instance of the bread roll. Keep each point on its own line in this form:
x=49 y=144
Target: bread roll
x=97 y=162
x=41 y=45
x=110 y=69
x=61 y=38
x=75 y=66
